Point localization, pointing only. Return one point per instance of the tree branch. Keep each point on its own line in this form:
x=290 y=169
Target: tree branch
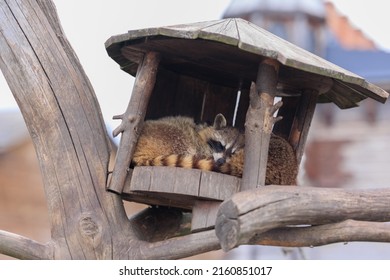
x=312 y=236
x=181 y=247
x=250 y=213
x=20 y=247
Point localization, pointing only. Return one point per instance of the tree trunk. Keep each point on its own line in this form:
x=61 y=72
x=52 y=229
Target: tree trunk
x=65 y=122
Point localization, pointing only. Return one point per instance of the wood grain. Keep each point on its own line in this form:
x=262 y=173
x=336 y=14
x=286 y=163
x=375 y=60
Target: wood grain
x=133 y=118
x=259 y=124
x=254 y=212
x=178 y=187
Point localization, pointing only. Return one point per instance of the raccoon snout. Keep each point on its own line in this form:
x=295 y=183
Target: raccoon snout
x=221 y=161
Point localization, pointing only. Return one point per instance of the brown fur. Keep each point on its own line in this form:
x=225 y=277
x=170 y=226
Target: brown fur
x=167 y=136
x=178 y=141
x=282 y=167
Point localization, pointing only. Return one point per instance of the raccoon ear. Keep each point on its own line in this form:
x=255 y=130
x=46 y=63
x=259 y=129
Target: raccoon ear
x=219 y=121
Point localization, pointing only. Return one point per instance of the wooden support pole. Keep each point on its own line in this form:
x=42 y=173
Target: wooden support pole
x=259 y=123
x=133 y=119
x=302 y=121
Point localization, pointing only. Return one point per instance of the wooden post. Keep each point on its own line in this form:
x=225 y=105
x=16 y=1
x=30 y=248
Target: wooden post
x=133 y=118
x=259 y=123
x=302 y=121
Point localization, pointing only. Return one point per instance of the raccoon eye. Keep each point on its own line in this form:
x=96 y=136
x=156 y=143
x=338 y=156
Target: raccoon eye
x=216 y=146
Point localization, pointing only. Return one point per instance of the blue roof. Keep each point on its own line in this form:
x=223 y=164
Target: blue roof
x=374 y=66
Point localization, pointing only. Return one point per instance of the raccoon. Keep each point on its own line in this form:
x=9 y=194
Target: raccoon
x=282 y=166
x=178 y=141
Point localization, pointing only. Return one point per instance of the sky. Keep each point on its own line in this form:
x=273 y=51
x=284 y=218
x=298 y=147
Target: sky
x=89 y=23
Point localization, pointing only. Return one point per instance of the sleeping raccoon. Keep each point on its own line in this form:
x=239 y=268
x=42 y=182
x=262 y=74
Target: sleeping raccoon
x=178 y=141
x=282 y=166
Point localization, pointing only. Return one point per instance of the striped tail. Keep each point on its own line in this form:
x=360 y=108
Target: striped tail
x=175 y=160
x=234 y=167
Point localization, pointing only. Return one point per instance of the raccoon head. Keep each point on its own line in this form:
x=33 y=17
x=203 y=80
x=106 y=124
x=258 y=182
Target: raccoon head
x=223 y=140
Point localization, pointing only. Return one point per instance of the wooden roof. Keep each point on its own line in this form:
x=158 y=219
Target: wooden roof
x=228 y=52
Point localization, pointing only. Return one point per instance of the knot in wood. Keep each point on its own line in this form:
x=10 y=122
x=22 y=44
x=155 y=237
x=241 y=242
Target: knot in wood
x=132 y=119
x=88 y=227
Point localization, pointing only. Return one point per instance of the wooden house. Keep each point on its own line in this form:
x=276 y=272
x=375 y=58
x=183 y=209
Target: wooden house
x=206 y=68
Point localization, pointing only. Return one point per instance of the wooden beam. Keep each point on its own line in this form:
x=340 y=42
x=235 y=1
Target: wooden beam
x=302 y=121
x=133 y=118
x=259 y=123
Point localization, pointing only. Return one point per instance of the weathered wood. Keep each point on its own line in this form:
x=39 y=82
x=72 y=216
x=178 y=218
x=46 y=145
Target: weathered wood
x=204 y=214
x=226 y=52
x=302 y=121
x=64 y=120
x=19 y=247
x=177 y=187
x=313 y=236
x=181 y=247
x=259 y=124
x=253 y=212
x=218 y=186
x=133 y=118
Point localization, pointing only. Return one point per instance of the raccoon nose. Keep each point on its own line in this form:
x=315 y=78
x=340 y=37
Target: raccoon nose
x=221 y=161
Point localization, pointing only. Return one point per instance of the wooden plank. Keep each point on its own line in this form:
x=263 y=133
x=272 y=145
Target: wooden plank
x=187 y=181
x=189 y=97
x=189 y=31
x=177 y=187
x=218 y=186
x=225 y=31
x=161 y=102
x=163 y=179
x=219 y=99
x=142 y=180
x=207 y=61
x=204 y=214
x=257 y=40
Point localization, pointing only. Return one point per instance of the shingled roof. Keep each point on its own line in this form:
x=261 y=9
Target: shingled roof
x=228 y=52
